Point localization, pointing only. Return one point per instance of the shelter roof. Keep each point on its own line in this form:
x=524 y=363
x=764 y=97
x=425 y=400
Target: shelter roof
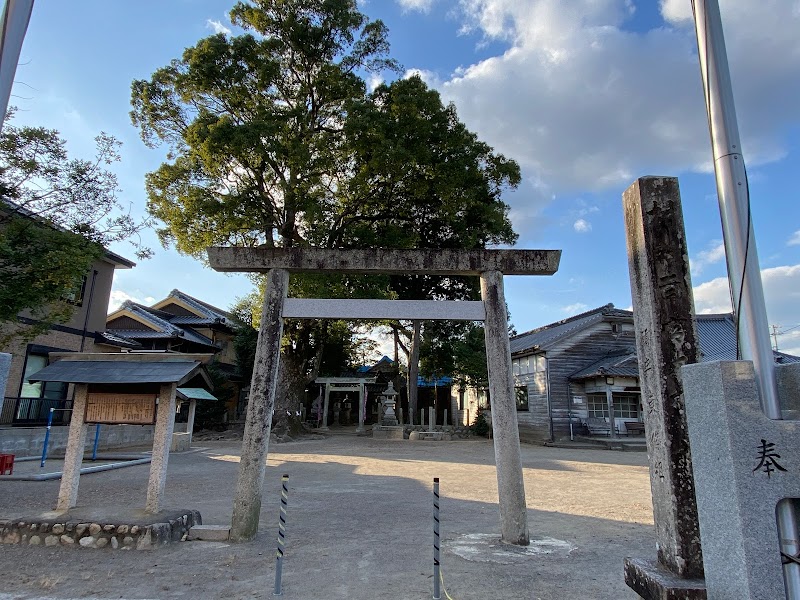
x=187 y=393
x=117 y=371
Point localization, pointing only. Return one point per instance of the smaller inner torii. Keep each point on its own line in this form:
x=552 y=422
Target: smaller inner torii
x=489 y=265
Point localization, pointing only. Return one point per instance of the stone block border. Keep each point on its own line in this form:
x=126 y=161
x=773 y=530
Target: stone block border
x=460 y=432
x=88 y=534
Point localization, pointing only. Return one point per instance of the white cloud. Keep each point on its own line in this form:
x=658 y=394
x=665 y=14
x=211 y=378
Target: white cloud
x=795 y=239
x=374 y=81
x=119 y=296
x=583 y=103
x=217 y=27
x=574 y=309
x=782 y=297
x=582 y=226
x=676 y=11
x=712 y=297
x=714 y=254
x=418 y=5
x=429 y=77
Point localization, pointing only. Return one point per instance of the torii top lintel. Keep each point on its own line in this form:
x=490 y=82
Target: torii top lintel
x=381 y=260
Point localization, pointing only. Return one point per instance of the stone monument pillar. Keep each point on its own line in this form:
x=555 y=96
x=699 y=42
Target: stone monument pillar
x=663 y=315
x=745 y=465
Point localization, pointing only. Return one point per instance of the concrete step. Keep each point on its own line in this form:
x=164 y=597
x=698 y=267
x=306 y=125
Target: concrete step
x=210 y=533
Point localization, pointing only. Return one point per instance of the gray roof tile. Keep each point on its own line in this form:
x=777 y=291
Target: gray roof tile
x=116 y=371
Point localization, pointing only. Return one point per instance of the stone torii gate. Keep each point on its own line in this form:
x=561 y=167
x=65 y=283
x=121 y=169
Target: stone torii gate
x=489 y=265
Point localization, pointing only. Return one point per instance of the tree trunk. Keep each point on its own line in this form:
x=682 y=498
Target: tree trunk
x=290 y=393
x=413 y=371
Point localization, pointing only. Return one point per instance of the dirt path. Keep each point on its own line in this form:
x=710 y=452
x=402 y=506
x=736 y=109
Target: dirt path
x=359 y=526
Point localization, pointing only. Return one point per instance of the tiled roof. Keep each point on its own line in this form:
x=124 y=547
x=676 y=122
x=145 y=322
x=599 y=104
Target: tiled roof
x=192 y=320
x=431 y=382
x=144 y=334
x=716 y=335
x=618 y=365
x=115 y=339
x=544 y=337
x=204 y=308
x=117 y=371
x=161 y=327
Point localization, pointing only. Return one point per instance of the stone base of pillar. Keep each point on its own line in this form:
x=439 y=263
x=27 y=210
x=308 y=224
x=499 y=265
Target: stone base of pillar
x=653 y=581
x=388 y=433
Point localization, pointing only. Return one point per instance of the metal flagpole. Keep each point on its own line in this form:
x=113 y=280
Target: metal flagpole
x=744 y=273
x=14 y=20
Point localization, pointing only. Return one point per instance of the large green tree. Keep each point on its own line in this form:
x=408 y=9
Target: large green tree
x=56 y=215
x=274 y=140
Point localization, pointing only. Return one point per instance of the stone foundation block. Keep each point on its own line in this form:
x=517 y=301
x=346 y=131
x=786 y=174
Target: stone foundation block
x=210 y=533
x=654 y=582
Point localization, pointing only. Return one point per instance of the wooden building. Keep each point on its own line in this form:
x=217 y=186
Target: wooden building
x=568 y=373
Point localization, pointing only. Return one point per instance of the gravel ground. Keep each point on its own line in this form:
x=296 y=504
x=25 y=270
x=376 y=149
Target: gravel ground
x=359 y=526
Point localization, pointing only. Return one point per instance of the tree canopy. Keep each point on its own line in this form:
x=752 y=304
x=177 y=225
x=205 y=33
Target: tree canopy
x=275 y=140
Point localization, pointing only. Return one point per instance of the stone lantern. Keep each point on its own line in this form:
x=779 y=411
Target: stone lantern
x=389 y=401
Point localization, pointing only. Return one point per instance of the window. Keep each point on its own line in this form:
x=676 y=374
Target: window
x=75 y=296
x=626 y=406
x=50 y=390
x=597 y=405
x=521 y=394
x=528 y=364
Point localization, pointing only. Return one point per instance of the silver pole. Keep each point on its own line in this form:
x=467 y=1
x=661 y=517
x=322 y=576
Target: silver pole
x=437 y=594
x=744 y=274
x=734 y=204
x=14 y=18
x=281 y=535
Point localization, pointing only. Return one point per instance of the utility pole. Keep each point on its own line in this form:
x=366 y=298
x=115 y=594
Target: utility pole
x=775 y=336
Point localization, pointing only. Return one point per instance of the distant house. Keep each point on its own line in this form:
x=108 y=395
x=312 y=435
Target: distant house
x=28 y=403
x=563 y=371
x=182 y=323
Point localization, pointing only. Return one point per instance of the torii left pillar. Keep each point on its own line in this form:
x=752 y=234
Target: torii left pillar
x=249 y=486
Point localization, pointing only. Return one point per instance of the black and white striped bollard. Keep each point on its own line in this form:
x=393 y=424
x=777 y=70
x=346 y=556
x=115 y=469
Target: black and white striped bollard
x=281 y=534
x=436 y=577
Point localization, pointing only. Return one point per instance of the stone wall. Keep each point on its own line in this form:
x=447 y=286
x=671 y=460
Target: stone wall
x=28 y=441
x=131 y=536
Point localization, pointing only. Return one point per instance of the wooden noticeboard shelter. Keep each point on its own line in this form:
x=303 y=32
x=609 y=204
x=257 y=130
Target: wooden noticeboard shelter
x=130 y=388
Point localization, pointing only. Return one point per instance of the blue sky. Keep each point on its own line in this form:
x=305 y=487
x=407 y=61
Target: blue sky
x=587 y=95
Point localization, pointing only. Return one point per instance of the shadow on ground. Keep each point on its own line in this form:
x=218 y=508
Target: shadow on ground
x=359 y=526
